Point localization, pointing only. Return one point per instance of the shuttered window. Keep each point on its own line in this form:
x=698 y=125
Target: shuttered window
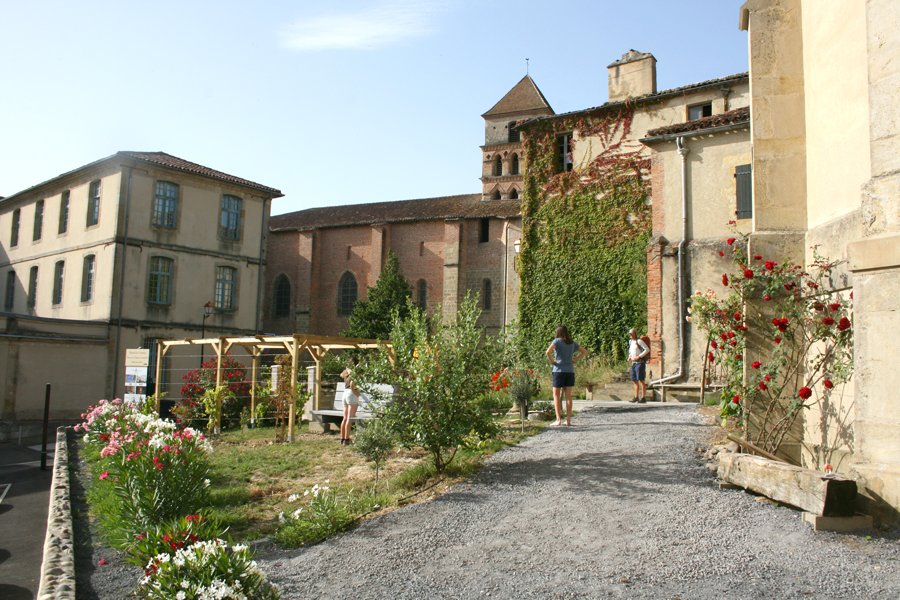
x=743 y=183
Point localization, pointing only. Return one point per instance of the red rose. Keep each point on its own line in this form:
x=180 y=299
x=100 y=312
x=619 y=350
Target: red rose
x=789 y=286
x=730 y=241
x=724 y=279
x=777 y=340
x=844 y=323
x=812 y=285
x=770 y=264
x=756 y=364
x=834 y=306
x=737 y=316
x=730 y=335
x=714 y=344
x=721 y=253
x=768 y=377
x=732 y=222
x=711 y=357
x=767 y=297
x=818 y=306
x=776 y=321
x=828 y=321
x=733 y=343
x=851 y=295
x=763 y=386
x=804 y=392
x=748 y=273
x=736 y=399
x=828 y=384
x=757 y=257
x=739 y=356
x=723 y=336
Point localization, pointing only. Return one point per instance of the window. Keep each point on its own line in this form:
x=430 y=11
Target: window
x=743 y=183
x=514 y=164
x=346 y=297
x=514 y=194
x=226 y=284
x=230 y=221
x=513 y=132
x=38 y=220
x=32 y=287
x=486 y=294
x=495 y=195
x=421 y=248
x=165 y=205
x=159 y=285
x=58 y=281
x=93 y=207
x=64 y=213
x=564 y=152
x=484 y=230
x=498 y=166
x=422 y=294
x=282 y=297
x=9 y=300
x=698 y=111
x=14 y=234
x=87 y=278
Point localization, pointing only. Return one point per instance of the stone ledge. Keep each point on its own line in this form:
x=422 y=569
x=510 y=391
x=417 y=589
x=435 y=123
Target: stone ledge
x=58 y=566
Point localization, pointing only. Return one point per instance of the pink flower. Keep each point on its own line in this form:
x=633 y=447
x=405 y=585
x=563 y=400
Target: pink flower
x=804 y=392
x=102 y=561
x=104 y=475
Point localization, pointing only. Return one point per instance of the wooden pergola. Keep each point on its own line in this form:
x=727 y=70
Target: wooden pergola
x=316 y=345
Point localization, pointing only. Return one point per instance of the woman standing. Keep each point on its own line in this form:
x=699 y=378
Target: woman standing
x=563 y=353
x=351 y=403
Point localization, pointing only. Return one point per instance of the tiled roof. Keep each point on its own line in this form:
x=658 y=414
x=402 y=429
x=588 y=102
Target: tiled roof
x=732 y=117
x=179 y=164
x=163 y=160
x=721 y=81
x=468 y=206
x=524 y=97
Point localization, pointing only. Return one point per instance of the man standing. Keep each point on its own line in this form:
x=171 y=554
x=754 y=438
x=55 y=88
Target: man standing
x=637 y=351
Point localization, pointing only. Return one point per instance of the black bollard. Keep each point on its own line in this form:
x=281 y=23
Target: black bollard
x=46 y=426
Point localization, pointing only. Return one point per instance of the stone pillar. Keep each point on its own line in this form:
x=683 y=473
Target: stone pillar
x=453 y=231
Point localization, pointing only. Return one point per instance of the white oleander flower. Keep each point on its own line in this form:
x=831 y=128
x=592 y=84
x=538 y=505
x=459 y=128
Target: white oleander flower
x=293 y=498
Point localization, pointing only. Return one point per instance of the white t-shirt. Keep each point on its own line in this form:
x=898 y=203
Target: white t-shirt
x=637 y=348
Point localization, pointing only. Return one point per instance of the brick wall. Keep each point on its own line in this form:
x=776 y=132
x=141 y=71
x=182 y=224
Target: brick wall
x=655 y=267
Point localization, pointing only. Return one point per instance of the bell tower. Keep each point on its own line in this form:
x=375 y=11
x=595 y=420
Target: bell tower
x=502 y=153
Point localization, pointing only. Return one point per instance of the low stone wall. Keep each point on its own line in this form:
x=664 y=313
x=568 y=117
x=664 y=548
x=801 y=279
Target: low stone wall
x=58 y=567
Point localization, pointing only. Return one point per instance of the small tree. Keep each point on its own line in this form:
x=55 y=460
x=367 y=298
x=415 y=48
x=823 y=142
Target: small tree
x=374 y=442
x=371 y=318
x=441 y=371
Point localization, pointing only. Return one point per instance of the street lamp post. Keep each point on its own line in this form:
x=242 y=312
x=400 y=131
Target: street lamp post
x=208 y=310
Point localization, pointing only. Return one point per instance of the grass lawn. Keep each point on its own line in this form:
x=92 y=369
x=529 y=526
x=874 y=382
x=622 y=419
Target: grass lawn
x=253 y=476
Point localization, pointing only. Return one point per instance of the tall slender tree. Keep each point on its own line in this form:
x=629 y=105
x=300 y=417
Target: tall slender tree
x=371 y=318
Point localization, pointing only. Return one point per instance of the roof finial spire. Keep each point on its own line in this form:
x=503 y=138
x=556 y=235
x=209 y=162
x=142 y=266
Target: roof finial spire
x=526 y=65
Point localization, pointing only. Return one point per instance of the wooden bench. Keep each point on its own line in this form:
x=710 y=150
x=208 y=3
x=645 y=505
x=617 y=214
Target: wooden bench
x=365 y=411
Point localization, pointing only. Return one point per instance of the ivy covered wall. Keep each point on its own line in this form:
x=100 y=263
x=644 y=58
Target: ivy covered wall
x=585 y=232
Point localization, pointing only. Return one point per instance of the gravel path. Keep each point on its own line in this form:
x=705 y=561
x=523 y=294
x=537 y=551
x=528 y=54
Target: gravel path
x=618 y=506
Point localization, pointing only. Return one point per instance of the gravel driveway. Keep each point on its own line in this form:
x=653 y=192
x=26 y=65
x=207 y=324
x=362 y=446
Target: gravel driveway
x=619 y=506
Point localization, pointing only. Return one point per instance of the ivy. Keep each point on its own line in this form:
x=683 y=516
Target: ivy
x=585 y=233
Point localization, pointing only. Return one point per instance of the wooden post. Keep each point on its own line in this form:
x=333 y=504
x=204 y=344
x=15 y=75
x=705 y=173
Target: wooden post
x=255 y=351
x=295 y=357
x=218 y=348
x=160 y=353
x=804 y=488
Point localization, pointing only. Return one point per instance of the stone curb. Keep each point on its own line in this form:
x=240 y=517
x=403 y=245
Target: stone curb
x=58 y=566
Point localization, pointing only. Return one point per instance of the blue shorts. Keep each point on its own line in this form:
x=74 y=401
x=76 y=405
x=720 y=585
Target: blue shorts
x=638 y=371
x=563 y=380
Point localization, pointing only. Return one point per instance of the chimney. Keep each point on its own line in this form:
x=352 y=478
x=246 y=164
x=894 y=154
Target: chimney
x=632 y=75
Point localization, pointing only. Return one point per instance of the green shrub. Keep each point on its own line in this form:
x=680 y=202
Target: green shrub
x=374 y=442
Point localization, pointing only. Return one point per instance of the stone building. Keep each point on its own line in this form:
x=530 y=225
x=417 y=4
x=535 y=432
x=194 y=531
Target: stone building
x=112 y=256
x=825 y=130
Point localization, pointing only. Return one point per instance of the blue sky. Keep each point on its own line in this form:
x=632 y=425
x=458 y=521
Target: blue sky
x=330 y=102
